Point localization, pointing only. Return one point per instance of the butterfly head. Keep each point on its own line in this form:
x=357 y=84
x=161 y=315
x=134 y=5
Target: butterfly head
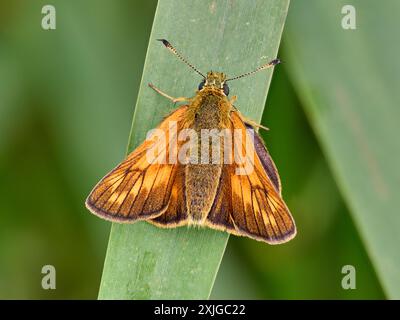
x=215 y=80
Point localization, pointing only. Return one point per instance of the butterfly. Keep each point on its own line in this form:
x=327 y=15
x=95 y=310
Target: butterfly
x=168 y=182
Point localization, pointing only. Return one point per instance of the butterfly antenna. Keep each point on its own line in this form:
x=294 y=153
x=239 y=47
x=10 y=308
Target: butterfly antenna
x=263 y=67
x=173 y=50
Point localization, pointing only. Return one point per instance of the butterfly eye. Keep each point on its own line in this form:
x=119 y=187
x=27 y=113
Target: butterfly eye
x=201 y=85
x=226 y=89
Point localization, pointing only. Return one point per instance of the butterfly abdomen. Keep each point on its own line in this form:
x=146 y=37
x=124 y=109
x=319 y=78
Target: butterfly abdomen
x=201 y=187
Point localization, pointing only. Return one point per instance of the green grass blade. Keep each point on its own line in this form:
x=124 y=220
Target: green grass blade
x=348 y=81
x=145 y=262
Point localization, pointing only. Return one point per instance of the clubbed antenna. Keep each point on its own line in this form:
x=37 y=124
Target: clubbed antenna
x=264 y=66
x=173 y=50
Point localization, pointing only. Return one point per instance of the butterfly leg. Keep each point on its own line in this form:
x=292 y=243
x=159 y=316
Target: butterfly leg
x=249 y=121
x=174 y=100
x=254 y=124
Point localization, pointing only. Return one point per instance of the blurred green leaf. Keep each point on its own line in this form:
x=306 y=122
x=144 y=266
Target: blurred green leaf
x=348 y=82
x=145 y=262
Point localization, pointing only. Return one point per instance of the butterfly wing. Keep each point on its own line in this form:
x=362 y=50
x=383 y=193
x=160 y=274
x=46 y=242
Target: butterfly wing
x=176 y=214
x=250 y=204
x=137 y=188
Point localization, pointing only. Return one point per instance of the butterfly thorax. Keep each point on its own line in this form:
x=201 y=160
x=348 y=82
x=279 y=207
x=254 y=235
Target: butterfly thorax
x=211 y=109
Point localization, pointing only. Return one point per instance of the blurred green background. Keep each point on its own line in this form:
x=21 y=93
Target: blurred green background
x=66 y=102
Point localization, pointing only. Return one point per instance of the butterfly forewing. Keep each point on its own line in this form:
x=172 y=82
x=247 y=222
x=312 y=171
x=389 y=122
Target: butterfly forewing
x=137 y=188
x=250 y=204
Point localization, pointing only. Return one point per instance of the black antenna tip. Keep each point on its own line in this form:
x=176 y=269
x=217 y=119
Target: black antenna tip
x=165 y=42
x=275 y=62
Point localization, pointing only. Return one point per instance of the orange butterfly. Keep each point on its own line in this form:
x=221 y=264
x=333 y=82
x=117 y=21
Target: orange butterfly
x=168 y=182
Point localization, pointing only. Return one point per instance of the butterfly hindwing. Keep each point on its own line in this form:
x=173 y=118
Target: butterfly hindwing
x=266 y=160
x=176 y=213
